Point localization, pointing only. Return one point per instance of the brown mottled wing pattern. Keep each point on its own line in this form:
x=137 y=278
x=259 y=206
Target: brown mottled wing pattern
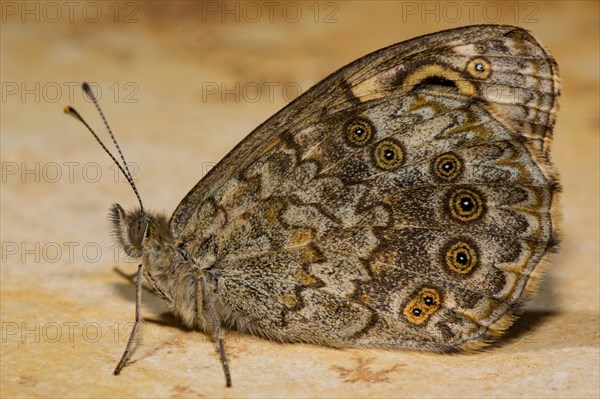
x=404 y=201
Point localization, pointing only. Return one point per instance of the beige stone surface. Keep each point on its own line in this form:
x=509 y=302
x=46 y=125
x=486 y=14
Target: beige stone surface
x=65 y=313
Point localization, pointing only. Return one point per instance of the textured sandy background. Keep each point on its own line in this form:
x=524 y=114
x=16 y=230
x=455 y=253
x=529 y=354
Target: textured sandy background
x=64 y=312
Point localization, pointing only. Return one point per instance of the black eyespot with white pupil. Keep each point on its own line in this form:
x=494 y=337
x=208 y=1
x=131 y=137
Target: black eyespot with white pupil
x=359 y=131
x=466 y=204
x=422 y=305
x=388 y=154
x=460 y=256
x=447 y=167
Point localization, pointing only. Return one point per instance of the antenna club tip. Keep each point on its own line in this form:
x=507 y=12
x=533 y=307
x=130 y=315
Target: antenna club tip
x=67 y=109
x=88 y=90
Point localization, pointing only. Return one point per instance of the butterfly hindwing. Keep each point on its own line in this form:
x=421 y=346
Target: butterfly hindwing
x=404 y=201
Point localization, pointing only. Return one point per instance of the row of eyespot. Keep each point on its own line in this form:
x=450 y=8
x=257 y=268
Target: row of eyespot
x=388 y=153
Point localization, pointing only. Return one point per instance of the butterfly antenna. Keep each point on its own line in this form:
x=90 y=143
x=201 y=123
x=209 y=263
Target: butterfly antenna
x=71 y=111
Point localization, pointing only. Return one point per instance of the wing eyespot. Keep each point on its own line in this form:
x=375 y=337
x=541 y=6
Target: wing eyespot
x=460 y=256
x=447 y=167
x=479 y=68
x=388 y=154
x=359 y=132
x=423 y=304
x=466 y=205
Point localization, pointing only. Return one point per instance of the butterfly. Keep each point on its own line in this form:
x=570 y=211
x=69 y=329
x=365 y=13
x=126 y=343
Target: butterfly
x=405 y=201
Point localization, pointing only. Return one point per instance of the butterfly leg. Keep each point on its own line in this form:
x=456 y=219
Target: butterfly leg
x=154 y=286
x=212 y=314
x=156 y=289
x=138 y=318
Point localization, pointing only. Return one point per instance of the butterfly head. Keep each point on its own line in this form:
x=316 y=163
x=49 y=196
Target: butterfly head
x=139 y=232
